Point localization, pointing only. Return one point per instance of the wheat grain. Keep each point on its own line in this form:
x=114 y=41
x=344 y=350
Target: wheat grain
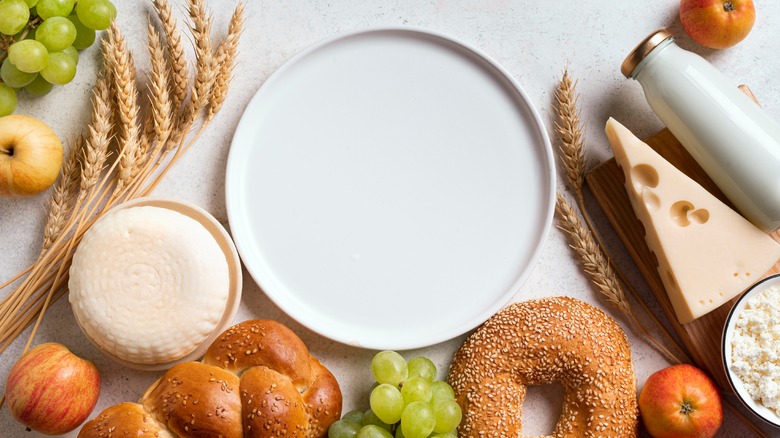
x=159 y=96
x=177 y=60
x=567 y=125
x=61 y=203
x=226 y=56
x=120 y=63
x=205 y=62
x=591 y=257
x=98 y=137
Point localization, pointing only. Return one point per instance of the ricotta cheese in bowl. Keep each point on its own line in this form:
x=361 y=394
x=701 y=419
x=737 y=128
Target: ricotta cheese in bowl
x=154 y=281
x=751 y=349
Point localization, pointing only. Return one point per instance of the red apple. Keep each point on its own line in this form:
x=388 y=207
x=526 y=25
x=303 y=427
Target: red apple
x=30 y=156
x=51 y=390
x=717 y=24
x=680 y=402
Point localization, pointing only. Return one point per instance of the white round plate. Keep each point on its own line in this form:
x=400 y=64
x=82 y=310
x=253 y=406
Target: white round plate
x=391 y=188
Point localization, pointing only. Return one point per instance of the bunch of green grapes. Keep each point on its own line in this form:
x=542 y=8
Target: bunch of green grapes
x=39 y=43
x=407 y=402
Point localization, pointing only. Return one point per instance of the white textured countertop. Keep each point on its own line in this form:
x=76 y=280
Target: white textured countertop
x=533 y=41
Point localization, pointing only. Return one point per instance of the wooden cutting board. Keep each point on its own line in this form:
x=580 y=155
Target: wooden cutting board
x=701 y=337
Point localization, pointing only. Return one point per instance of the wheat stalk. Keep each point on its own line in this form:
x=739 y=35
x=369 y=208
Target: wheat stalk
x=572 y=155
x=97 y=184
x=585 y=241
x=596 y=266
x=205 y=62
x=567 y=125
x=162 y=106
x=119 y=62
x=226 y=56
x=177 y=60
x=64 y=194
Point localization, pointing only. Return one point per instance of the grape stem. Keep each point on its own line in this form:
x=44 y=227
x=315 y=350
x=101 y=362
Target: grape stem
x=32 y=24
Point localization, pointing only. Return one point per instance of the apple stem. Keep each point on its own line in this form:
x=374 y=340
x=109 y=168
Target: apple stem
x=685 y=408
x=728 y=6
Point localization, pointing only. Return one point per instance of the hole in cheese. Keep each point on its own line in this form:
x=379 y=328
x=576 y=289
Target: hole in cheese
x=651 y=200
x=699 y=216
x=644 y=175
x=679 y=213
x=683 y=214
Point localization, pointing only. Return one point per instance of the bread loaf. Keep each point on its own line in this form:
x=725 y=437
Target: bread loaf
x=256 y=380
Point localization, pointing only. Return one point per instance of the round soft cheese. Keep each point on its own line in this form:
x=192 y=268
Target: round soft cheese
x=148 y=284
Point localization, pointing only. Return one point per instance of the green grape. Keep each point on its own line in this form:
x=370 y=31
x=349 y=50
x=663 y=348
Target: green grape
x=60 y=70
x=416 y=389
x=13 y=77
x=29 y=56
x=84 y=35
x=444 y=435
x=54 y=8
x=372 y=431
x=399 y=432
x=31 y=3
x=14 y=15
x=7 y=100
x=73 y=53
x=448 y=415
x=39 y=86
x=387 y=403
x=369 y=417
x=441 y=390
x=56 y=34
x=343 y=429
x=418 y=420
x=389 y=367
x=96 y=14
x=355 y=416
x=422 y=367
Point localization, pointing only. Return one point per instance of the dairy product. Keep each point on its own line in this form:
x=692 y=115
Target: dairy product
x=732 y=138
x=707 y=253
x=148 y=284
x=755 y=347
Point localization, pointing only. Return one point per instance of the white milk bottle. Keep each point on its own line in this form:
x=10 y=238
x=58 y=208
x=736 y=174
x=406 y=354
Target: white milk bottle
x=728 y=134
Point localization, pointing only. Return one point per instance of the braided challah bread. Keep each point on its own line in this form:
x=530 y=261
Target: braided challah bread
x=256 y=380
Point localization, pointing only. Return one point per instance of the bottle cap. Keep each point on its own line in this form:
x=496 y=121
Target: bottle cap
x=643 y=49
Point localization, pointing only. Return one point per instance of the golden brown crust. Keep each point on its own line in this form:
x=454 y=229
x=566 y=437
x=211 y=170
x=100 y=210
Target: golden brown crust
x=323 y=399
x=124 y=420
x=542 y=341
x=257 y=380
x=261 y=342
x=195 y=399
x=274 y=407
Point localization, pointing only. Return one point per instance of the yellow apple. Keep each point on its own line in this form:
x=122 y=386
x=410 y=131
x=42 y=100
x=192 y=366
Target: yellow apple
x=30 y=156
x=717 y=24
x=51 y=390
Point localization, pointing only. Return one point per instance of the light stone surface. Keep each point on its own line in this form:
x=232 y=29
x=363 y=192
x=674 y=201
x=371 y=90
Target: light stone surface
x=534 y=41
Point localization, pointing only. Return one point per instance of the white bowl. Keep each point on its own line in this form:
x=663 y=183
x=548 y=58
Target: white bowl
x=741 y=392
x=225 y=243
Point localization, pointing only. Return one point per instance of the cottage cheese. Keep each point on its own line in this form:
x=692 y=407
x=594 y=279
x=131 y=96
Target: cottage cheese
x=755 y=348
x=148 y=284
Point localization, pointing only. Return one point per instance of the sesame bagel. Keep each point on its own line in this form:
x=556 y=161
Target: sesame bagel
x=540 y=342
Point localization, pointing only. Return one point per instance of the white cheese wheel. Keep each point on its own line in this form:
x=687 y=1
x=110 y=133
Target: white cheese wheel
x=148 y=284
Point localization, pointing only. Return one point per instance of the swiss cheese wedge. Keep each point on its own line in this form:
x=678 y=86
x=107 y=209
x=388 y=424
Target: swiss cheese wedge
x=707 y=253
